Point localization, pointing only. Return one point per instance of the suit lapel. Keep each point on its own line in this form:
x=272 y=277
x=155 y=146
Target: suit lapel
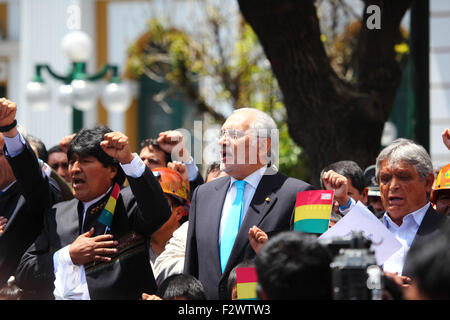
x=92 y=214
x=429 y=224
x=215 y=215
x=263 y=200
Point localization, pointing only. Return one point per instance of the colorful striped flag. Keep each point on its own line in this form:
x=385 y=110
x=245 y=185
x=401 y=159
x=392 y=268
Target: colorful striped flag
x=108 y=212
x=313 y=210
x=246 y=283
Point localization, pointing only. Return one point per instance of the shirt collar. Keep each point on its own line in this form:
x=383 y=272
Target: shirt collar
x=9 y=186
x=253 y=179
x=416 y=216
x=86 y=205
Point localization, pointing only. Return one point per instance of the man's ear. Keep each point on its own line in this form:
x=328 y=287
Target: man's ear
x=365 y=192
x=114 y=172
x=264 y=145
x=179 y=212
x=429 y=182
x=268 y=143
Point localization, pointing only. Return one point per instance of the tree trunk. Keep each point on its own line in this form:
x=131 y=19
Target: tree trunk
x=329 y=118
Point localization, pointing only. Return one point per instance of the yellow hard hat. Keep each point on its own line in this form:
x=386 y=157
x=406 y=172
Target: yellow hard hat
x=441 y=182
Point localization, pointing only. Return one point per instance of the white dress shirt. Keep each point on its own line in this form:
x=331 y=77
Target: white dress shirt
x=14 y=145
x=405 y=234
x=249 y=191
x=70 y=279
x=192 y=169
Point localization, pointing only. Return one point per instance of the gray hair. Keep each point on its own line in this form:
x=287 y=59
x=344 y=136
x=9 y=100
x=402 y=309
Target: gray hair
x=263 y=123
x=265 y=127
x=406 y=150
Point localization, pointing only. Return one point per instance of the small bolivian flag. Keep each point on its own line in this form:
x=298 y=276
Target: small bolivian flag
x=246 y=283
x=108 y=212
x=313 y=210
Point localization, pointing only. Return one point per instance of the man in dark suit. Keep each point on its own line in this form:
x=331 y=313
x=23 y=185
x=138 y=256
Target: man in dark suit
x=79 y=255
x=253 y=194
x=405 y=175
x=21 y=205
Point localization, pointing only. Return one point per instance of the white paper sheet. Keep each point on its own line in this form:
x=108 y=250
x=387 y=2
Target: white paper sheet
x=359 y=218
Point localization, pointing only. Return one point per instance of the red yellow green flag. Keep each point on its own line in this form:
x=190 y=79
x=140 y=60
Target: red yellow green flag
x=313 y=210
x=108 y=212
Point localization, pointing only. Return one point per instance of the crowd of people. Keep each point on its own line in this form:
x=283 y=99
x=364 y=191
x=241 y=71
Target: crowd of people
x=91 y=219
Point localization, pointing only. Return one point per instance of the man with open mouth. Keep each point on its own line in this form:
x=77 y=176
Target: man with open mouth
x=223 y=212
x=405 y=175
x=94 y=246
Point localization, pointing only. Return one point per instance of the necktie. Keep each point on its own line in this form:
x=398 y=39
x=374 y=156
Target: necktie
x=232 y=224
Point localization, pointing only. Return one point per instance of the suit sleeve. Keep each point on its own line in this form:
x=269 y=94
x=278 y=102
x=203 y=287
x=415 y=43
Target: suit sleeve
x=191 y=257
x=152 y=209
x=35 y=270
x=195 y=183
x=34 y=185
x=26 y=223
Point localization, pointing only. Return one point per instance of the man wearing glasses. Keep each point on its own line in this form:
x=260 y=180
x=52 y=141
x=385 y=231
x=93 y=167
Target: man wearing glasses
x=254 y=193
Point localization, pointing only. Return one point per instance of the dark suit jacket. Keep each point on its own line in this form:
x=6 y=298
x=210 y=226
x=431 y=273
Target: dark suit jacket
x=195 y=183
x=272 y=215
x=430 y=225
x=23 y=205
x=140 y=210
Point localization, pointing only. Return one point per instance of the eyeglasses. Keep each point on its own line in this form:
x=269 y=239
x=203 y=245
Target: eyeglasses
x=231 y=134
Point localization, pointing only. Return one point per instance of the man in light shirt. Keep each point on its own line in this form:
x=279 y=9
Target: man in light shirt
x=77 y=256
x=405 y=176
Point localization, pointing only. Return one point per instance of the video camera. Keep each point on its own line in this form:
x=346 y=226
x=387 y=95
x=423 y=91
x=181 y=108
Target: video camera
x=355 y=273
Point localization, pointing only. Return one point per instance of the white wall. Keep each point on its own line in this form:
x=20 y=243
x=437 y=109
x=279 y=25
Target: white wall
x=439 y=79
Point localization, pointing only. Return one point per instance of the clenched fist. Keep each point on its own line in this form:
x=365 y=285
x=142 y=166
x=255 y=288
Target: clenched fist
x=8 y=111
x=116 y=145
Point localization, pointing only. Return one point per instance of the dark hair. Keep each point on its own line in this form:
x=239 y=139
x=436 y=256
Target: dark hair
x=427 y=263
x=40 y=146
x=294 y=265
x=231 y=282
x=154 y=143
x=86 y=143
x=215 y=166
x=181 y=285
x=54 y=149
x=349 y=169
x=177 y=203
